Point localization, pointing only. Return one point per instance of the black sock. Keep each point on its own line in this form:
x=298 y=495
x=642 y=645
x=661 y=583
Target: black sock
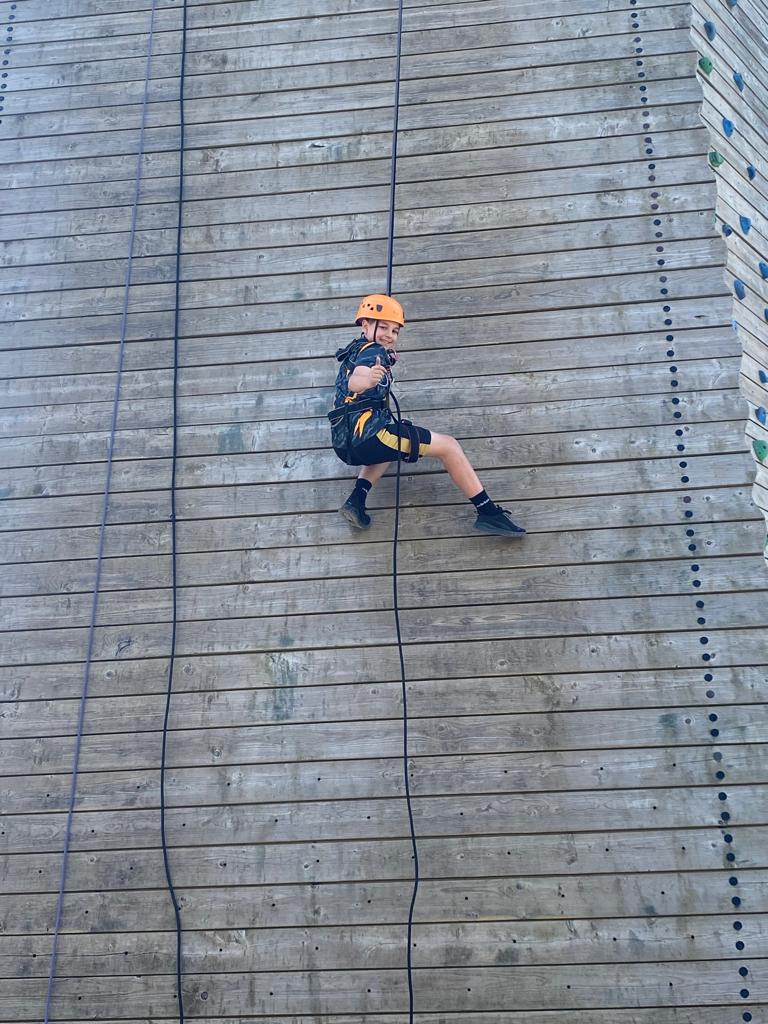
x=483 y=504
x=360 y=493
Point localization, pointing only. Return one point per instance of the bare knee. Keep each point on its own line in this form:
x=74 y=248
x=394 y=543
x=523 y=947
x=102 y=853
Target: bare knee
x=443 y=446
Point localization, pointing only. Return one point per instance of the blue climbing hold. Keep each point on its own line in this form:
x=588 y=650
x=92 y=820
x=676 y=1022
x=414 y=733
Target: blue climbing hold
x=732 y=3
x=763 y=376
x=727 y=230
x=763 y=269
x=740 y=288
x=739 y=80
x=728 y=127
x=765 y=314
x=751 y=172
x=760 y=413
x=710 y=29
x=745 y=224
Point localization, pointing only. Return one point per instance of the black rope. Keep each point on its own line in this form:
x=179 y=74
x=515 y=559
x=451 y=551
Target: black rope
x=174 y=454
x=102 y=525
x=403 y=681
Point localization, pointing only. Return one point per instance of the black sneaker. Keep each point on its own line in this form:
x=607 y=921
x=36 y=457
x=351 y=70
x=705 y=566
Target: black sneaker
x=355 y=515
x=499 y=522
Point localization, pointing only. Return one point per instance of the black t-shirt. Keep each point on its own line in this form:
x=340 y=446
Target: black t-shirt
x=368 y=422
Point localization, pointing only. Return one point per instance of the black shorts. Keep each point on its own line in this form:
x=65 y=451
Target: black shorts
x=382 y=447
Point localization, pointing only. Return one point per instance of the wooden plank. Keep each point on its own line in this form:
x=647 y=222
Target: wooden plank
x=298 y=464
x=300 y=315
x=266 y=129
x=523 y=421
x=625 y=512
x=440 y=945
x=335 y=820
x=377 y=777
x=243 y=565
x=581 y=987
x=324 y=495
x=251 y=155
x=247 y=95
x=483 y=23
x=33 y=92
x=615 y=653
x=513 y=898
x=447 y=857
x=643 y=344
x=279 y=743
x=263 y=597
x=689 y=255
x=370 y=629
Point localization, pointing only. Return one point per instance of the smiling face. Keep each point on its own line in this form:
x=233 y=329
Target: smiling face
x=386 y=334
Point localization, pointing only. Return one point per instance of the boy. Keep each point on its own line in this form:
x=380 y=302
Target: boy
x=365 y=433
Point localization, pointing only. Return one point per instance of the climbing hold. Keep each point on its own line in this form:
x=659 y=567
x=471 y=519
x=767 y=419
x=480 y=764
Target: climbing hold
x=761 y=415
x=739 y=287
x=765 y=313
x=763 y=269
x=716 y=159
x=763 y=376
x=732 y=3
x=727 y=230
x=728 y=127
x=751 y=172
x=760 y=448
x=710 y=29
x=739 y=80
x=706 y=65
x=745 y=223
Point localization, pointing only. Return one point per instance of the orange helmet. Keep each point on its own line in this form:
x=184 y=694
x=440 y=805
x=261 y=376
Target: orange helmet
x=381 y=307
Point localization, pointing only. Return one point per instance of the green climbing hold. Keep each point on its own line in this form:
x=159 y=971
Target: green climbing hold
x=760 y=448
x=706 y=65
x=716 y=159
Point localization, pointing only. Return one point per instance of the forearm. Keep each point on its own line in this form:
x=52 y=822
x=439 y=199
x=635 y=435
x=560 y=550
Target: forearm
x=361 y=379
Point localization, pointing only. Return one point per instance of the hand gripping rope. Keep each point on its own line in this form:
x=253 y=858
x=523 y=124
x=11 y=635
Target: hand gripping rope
x=414 y=440
x=102 y=529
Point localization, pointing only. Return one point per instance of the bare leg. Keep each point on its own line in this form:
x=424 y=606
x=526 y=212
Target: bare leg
x=375 y=472
x=456 y=463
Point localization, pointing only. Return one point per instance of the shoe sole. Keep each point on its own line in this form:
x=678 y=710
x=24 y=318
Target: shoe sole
x=352 y=519
x=496 y=531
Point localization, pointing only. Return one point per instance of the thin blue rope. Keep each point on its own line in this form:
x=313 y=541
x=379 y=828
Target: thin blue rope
x=102 y=528
x=403 y=681
x=174 y=544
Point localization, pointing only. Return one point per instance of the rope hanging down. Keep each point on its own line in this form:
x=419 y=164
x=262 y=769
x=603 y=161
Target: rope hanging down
x=174 y=575
x=403 y=682
x=102 y=527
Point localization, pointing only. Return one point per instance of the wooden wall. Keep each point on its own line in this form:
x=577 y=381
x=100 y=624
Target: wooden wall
x=733 y=42
x=588 y=725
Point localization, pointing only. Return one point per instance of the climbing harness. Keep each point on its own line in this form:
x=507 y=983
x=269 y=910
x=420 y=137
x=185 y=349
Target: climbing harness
x=102 y=527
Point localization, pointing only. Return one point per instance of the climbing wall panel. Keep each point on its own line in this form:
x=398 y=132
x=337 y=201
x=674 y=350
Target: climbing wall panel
x=732 y=39
x=588 y=732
